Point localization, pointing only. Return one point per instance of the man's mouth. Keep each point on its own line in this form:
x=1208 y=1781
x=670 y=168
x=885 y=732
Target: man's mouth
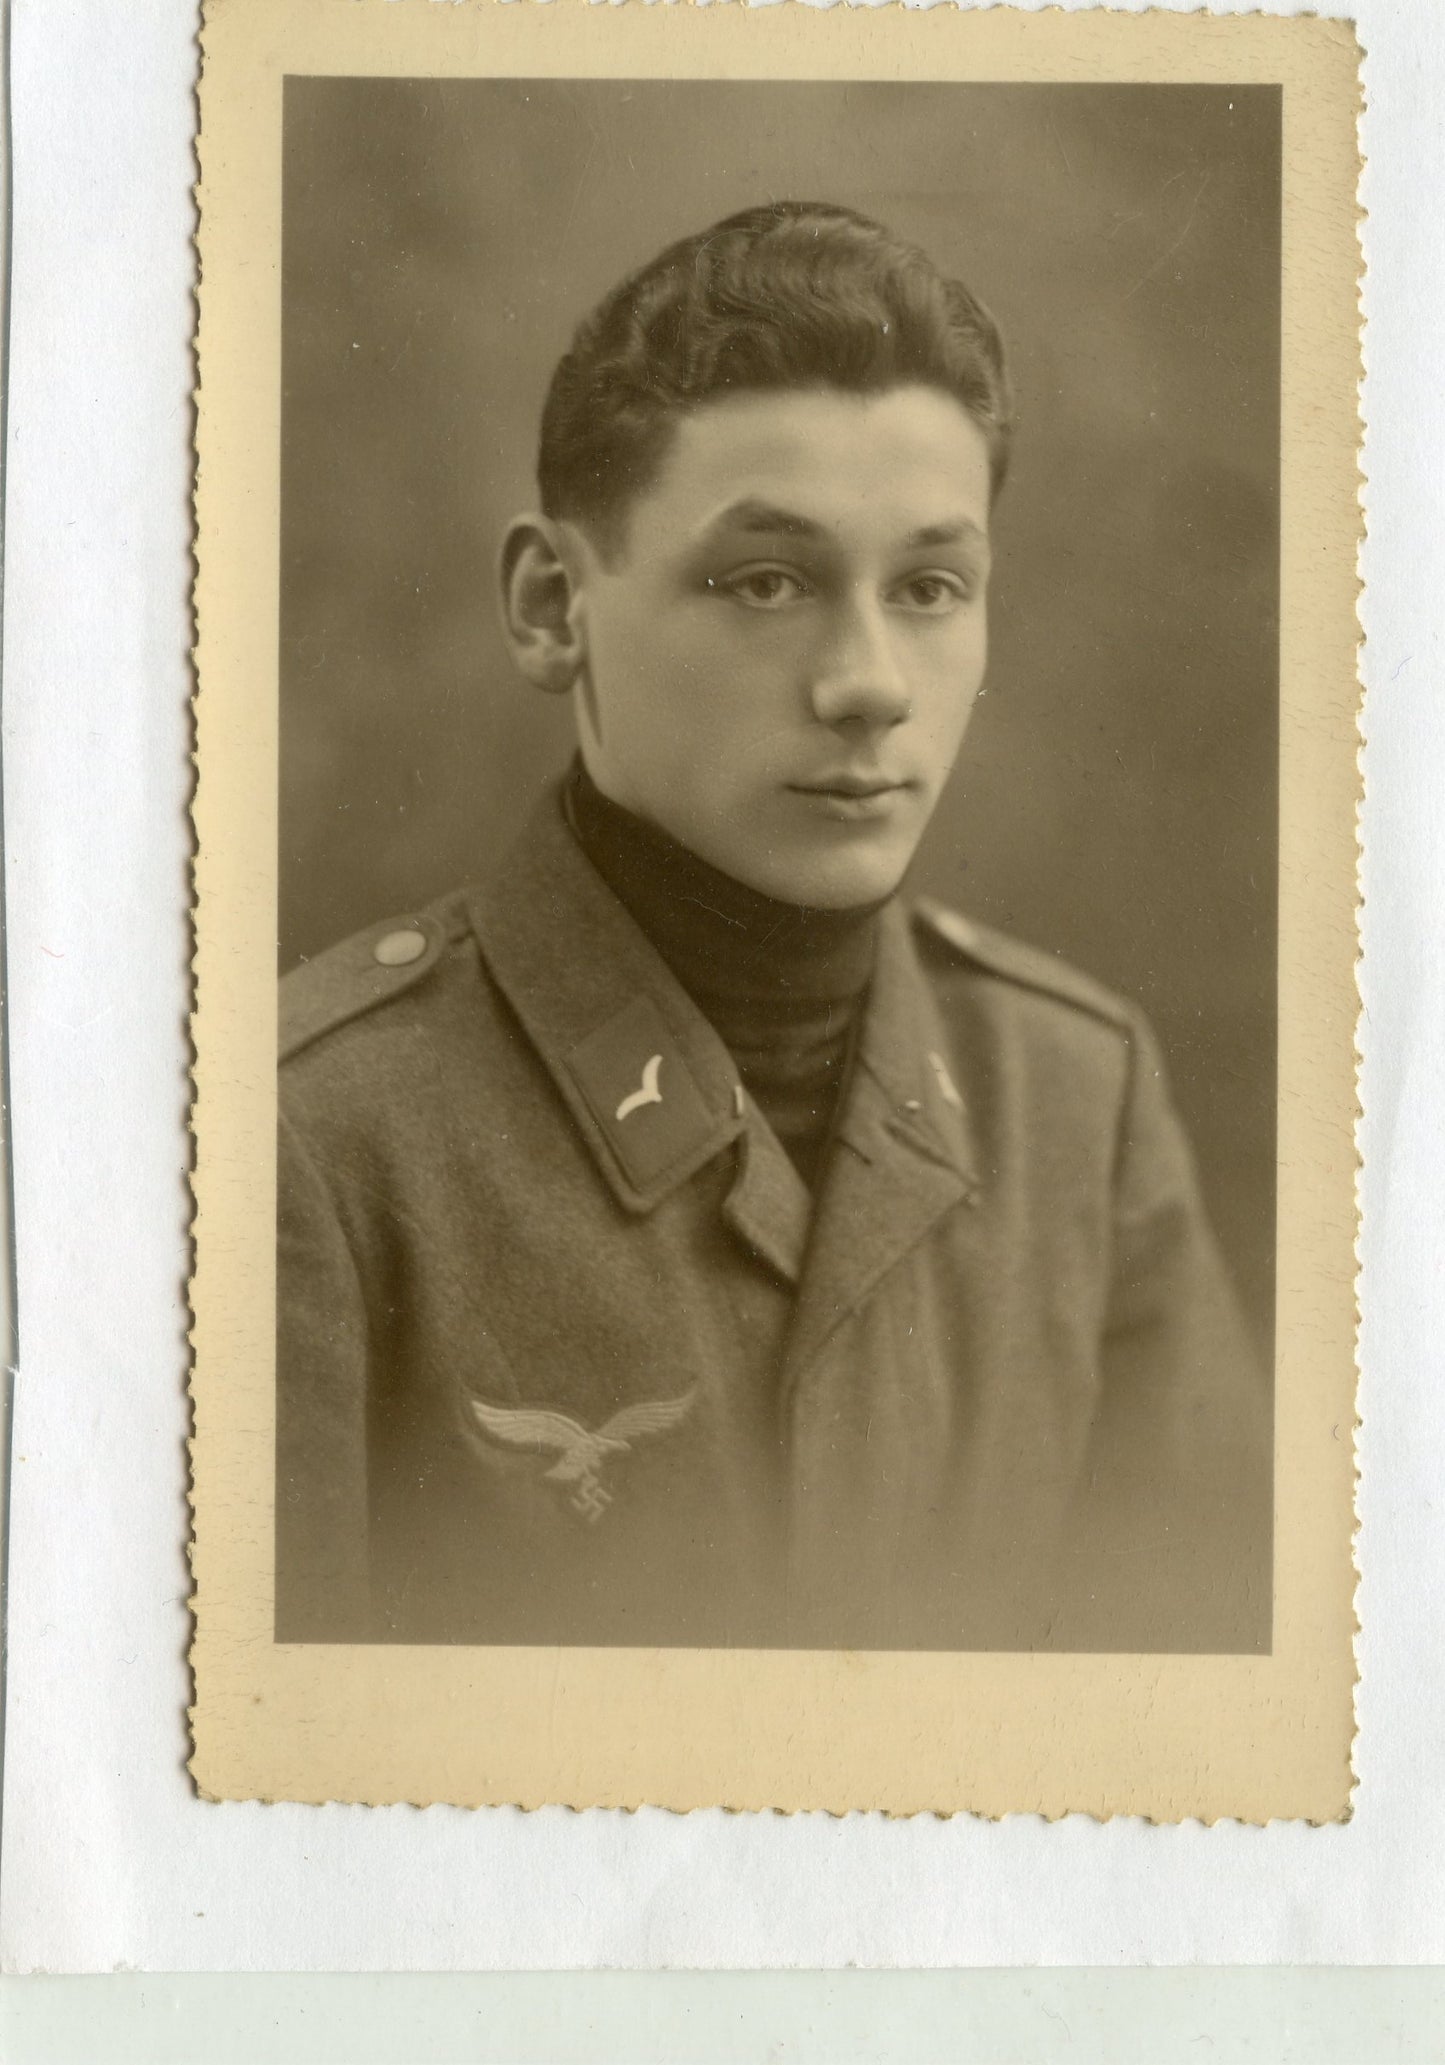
x=852 y=796
x=857 y=785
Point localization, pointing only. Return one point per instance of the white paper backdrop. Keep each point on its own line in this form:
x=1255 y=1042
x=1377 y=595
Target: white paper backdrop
x=109 y=1860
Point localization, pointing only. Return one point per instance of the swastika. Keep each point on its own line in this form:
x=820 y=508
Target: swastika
x=591 y=1498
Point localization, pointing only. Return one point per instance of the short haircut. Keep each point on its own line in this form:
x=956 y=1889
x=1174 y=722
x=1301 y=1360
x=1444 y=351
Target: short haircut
x=794 y=294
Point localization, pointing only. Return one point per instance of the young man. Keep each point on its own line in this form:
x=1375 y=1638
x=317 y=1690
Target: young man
x=681 y=1239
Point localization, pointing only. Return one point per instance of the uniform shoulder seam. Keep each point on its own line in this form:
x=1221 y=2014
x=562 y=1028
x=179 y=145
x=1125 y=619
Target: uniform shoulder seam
x=364 y=972
x=1029 y=967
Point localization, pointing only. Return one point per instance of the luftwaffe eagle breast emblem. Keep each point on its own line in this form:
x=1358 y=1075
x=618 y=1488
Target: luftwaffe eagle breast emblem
x=582 y=1452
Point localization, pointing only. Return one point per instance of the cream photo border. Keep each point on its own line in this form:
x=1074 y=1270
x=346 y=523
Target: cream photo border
x=1168 y=1737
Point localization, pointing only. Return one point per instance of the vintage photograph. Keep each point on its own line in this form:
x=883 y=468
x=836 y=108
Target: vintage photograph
x=778 y=759
x=775 y=909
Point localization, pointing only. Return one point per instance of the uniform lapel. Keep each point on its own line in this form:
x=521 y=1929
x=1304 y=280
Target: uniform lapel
x=652 y=1088
x=904 y=1153
x=770 y=1207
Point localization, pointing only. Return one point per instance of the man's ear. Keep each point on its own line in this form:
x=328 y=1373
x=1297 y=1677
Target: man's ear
x=539 y=569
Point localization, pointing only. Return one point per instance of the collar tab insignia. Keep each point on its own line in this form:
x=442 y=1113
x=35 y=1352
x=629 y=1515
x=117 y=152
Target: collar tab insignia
x=648 y=1094
x=947 y=1087
x=642 y=1095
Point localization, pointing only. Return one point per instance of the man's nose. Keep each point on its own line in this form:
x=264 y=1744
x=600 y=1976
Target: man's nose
x=859 y=680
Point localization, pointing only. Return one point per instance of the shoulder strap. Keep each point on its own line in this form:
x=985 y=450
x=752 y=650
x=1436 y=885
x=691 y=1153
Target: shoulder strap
x=360 y=973
x=1030 y=967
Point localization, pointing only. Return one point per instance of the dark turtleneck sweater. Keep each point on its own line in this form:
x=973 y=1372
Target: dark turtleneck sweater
x=782 y=986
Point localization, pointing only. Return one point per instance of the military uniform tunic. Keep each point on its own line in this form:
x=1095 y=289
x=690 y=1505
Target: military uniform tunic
x=568 y=1353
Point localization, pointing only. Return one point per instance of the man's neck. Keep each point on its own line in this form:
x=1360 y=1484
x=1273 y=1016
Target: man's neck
x=720 y=937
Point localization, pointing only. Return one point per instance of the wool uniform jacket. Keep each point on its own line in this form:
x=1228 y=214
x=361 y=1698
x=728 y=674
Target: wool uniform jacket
x=567 y=1353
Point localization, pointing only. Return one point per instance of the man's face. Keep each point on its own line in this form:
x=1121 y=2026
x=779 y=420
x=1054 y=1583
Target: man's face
x=782 y=655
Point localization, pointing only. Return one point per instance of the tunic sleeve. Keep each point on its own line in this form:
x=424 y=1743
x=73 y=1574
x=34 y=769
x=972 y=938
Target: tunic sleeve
x=322 y=1582
x=1176 y=1513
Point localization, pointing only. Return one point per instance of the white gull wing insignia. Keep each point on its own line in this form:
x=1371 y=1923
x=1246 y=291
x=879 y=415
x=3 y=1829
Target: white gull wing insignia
x=653 y=1416
x=946 y=1084
x=649 y=1092
x=535 y=1427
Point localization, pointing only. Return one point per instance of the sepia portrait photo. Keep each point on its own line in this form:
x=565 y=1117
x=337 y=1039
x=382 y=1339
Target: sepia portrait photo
x=790 y=1145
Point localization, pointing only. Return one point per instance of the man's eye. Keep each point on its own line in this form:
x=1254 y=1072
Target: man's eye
x=763 y=587
x=933 y=593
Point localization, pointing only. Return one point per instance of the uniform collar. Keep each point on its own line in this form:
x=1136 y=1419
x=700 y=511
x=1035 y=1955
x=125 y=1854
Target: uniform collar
x=656 y=1095
x=649 y=1082
x=904 y=1087
x=905 y=1155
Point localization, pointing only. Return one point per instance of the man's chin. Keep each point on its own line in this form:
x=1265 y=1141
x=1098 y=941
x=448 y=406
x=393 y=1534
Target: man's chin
x=833 y=874
x=838 y=886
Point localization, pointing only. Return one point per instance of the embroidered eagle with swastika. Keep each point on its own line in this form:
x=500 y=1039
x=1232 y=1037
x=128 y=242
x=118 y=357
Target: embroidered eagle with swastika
x=583 y=1450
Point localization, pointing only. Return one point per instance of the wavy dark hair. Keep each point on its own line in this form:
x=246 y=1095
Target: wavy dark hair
x=791 y=294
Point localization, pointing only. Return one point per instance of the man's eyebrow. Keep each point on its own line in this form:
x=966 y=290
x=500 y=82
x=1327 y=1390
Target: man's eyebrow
x=754 y=515
x=768 y=519
x=959 y=530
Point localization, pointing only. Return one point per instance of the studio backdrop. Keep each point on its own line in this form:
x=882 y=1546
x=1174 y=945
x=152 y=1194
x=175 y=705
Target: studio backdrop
x=1116 y=798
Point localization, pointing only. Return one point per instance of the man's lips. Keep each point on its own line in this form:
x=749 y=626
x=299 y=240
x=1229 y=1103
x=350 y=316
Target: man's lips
x=850 y=785
x=855 y=799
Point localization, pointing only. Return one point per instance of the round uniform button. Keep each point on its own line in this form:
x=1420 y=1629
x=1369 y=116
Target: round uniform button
x=396 y=949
